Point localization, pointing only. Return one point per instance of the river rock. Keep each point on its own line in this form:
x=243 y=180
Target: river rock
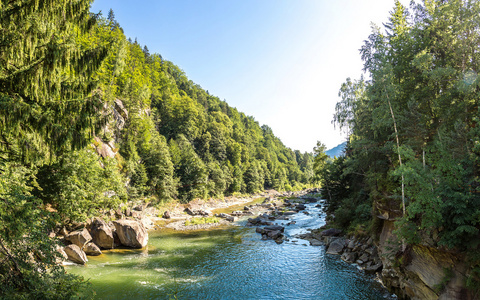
x=274 y=228
x=189 y=211
x=63 y=255
x=374 y=268
x=79 y=237
x=331 y=232
x=92 y=249
x=198 y=212
x=275 y=234
x=102 y=234
x=300 y=207
x=230 y=219
x=314 y=242
x=336 y=246
x=351 y=244
x=364 y=257
x=349 y=257
x=76 y=254
x=258 y=221
x=166 y=215
x=131 y=233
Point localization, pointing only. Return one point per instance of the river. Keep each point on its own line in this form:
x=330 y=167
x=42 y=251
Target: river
x=229 y=263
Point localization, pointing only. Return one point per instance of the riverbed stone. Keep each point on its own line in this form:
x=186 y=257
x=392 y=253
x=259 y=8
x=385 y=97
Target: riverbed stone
x=131 y=233
x=166 y=215
x=349 y=257
x=331 y=232
x=92 y=249
x=315 y=242
x=364 y=257
x=336 y=246
x=274 y=228
x=274 y=234
x=374 y=268
x=79 y=237
x=75 y=254
x=102 y=234
x=300 y=207
x=230 y=219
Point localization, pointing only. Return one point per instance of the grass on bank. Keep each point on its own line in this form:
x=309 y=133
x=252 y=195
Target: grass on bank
x=202 y=220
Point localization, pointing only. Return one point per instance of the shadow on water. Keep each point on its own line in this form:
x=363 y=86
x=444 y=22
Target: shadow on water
x=228 y=263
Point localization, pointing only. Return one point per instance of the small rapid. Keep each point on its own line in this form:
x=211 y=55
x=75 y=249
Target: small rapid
x=230 y=263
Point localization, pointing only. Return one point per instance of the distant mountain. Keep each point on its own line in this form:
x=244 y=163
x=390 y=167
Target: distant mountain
x=337 y=151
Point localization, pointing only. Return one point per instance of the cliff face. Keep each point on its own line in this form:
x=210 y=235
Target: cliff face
x=421 y=272
x=112 y=129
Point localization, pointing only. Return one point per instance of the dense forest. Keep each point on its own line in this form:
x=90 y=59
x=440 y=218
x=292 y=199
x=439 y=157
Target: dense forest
x=413 y=119
x=90 y=119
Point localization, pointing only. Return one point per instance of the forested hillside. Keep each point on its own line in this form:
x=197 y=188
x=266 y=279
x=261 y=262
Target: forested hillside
x=413 y=156
x=90 y=119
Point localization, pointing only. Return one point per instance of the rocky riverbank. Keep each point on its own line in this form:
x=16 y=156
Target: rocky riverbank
x=98 y=235
x=128 y=225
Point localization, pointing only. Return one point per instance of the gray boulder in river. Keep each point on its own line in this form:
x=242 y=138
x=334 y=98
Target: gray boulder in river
x=336 y=246
x=102 y=234
x=131 y=233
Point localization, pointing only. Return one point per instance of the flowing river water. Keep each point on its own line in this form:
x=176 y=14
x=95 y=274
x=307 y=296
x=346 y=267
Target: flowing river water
x=229 y=263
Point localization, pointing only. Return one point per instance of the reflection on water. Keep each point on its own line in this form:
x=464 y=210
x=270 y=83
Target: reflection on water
x=230 y=263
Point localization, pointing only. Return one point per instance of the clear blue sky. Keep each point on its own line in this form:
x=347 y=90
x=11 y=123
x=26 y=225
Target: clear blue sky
x=280 y=61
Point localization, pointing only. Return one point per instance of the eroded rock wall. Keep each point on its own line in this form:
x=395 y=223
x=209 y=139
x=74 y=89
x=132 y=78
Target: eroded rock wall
x=421 y=271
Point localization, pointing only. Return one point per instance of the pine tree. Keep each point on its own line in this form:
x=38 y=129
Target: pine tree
x=46 y=101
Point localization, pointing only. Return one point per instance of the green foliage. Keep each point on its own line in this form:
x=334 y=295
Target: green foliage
x=414 y=126
x=80 y=184
x=28 y=268
x=68 y=77
x=45 y=78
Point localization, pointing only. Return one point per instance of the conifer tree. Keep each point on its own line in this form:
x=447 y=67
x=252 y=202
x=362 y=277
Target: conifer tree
x=45 y=86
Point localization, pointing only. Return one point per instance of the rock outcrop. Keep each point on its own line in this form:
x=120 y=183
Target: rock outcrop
x=131 y=233
x=423 y=271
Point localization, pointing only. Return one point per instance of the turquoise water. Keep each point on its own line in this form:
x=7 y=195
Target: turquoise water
x=228 y=263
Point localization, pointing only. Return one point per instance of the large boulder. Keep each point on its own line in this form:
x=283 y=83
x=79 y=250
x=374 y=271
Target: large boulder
x=336 y=246
x=102 y=234
x=79 y=237
x=75 y=254
x=274 y=228
x=131 y=233
x=274 y=234
x=92 y=249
